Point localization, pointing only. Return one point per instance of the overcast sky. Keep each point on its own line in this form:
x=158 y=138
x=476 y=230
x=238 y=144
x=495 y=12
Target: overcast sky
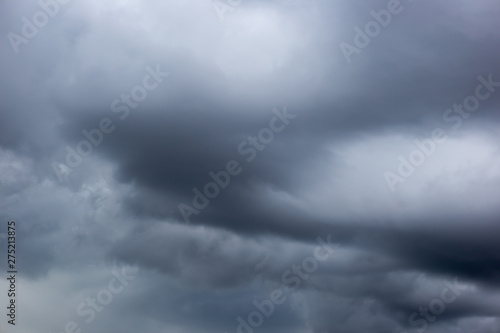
x=304 y=166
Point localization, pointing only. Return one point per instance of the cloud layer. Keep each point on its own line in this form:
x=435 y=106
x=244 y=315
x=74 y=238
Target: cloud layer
x=219 y=150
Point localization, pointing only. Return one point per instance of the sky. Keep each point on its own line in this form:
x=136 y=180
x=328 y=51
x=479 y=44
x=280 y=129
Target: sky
x=303 y=166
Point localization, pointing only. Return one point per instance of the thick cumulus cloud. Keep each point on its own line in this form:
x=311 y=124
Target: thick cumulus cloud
x=243 y=166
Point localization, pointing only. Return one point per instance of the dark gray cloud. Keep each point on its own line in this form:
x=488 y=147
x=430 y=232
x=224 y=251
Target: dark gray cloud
x=115 y=115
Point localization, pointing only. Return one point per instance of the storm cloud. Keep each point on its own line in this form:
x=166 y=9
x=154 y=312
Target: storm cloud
x=307 y=166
